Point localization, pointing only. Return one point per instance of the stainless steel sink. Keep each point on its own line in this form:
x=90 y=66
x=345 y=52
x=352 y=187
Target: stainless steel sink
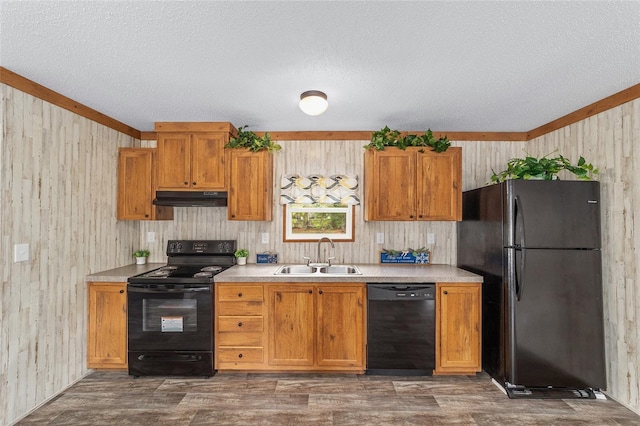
x=296 y=270
x=318 y=270
x=340 y=269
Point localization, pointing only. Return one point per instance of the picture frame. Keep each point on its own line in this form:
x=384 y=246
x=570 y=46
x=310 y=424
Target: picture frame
x=310 y=222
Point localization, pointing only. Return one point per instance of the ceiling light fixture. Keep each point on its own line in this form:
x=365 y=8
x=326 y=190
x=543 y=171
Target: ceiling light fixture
x=313 y=102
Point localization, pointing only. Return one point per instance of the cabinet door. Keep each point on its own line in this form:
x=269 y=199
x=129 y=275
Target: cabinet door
x=207 y=161
x=136 y=172
x=439 y=184
x=291 y=325
x=390 y=184
x=174 y=161
x=458 y=335
x=135 y=168
x=250 y=185
x=107 y=337
x=340 y=325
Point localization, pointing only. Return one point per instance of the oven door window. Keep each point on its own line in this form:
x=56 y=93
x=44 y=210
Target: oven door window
x=170 y=316
x=170 y=320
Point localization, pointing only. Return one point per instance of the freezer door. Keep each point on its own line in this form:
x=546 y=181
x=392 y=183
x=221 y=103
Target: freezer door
x=555 y=319
x=552 y=214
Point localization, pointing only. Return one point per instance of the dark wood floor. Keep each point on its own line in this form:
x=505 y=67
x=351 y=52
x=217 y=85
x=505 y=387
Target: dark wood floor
x=114 y=398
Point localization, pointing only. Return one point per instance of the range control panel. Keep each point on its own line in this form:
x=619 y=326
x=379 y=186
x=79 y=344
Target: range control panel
x=201 y=247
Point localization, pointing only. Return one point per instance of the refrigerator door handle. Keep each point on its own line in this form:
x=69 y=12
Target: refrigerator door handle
x=518 y=222
x=519 y=274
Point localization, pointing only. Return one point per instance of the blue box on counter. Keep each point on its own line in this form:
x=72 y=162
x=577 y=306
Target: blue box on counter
x=405 y=257
x=267 y=258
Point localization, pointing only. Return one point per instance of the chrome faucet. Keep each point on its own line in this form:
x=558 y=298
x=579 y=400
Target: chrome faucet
x=333 y=247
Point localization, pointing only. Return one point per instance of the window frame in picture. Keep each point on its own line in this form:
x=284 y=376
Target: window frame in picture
x=288 y=235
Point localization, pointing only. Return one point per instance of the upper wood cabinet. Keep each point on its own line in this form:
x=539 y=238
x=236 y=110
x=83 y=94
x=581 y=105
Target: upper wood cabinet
x=136 y=186
x=250 y=180
x=413 y=184
x=191 y=155
x=458 y=328
x=107 y=334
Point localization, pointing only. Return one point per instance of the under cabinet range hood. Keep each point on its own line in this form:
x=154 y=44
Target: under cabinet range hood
x=191 y=198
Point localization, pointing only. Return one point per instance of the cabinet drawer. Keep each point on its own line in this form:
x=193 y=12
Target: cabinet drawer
x=240 y=293
x=240 y=324
x=244 y=355
x=240 y=339
x=240 y=308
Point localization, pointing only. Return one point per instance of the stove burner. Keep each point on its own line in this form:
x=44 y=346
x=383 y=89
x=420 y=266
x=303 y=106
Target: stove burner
x=203 y=274
x=159 y=273
x=212 y=269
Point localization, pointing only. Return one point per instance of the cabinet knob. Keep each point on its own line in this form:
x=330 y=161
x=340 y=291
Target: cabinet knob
x=186 y=183
x=194 y=183
x=121 y=291
x=410 y=216
x=239 y=294
x=420 y=216
x=320 y=292
x=146 y=215
x=239 y=355
x=310 y=291
x=239 y=324
x=445 y=292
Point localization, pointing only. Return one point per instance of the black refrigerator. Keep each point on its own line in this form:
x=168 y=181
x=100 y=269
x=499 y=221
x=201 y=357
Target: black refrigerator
x=537 y=245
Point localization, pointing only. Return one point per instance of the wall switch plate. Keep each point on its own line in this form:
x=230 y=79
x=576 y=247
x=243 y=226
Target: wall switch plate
x=20 y=253
x=431 y=239
x=380 y=238
x=151 y=237
x=265 y=238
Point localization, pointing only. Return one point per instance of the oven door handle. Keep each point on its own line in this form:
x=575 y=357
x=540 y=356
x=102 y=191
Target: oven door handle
x=132 y=289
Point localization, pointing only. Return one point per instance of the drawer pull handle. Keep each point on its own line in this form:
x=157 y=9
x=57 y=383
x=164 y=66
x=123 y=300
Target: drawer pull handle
x=239 y=324
x=240 y=356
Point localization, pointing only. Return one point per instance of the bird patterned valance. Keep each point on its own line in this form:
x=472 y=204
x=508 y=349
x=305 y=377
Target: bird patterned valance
x=312 y=189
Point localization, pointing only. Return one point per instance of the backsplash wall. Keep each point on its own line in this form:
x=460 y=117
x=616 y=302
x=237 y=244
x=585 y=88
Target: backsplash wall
x=329 y=157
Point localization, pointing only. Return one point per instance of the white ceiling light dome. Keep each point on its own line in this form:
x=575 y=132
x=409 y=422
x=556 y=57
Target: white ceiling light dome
x=313 y=102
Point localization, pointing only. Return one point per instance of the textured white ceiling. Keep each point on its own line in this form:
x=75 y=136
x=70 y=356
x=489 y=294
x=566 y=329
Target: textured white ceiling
x=448 y=66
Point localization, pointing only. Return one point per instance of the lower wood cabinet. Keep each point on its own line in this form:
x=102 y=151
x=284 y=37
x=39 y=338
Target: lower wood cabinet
x=107 y=334
x=458 y=328
x=296 y=327
x=240 y=326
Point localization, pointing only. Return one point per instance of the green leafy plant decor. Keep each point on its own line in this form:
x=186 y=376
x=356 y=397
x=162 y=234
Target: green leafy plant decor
x=544 y=168
x=141 y=253
x=248 y=139
x=388 y=137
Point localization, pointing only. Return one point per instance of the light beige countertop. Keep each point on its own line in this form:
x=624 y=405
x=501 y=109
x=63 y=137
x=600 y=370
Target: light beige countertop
x=371 y=273
x=120 y=275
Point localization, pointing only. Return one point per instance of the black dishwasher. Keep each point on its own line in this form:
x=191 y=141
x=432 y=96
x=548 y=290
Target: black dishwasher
x=401 y=329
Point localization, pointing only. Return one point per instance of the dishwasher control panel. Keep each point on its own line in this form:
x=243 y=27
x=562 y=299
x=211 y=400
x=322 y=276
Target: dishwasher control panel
x=401 y=291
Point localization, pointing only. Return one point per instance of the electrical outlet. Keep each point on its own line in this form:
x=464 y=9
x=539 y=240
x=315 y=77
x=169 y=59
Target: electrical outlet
x=265 y=238
x=151 y=237
x=20 y=253
x=380 y=238
x=431 y=239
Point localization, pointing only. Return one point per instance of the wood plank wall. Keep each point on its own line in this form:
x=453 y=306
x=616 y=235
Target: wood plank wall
x=58 y=194
x=610 y=140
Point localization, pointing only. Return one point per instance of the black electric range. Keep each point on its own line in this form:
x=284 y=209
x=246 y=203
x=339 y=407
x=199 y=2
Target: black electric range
x=171 y=310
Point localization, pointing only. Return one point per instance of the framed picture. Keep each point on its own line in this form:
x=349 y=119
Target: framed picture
x=310 y=222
